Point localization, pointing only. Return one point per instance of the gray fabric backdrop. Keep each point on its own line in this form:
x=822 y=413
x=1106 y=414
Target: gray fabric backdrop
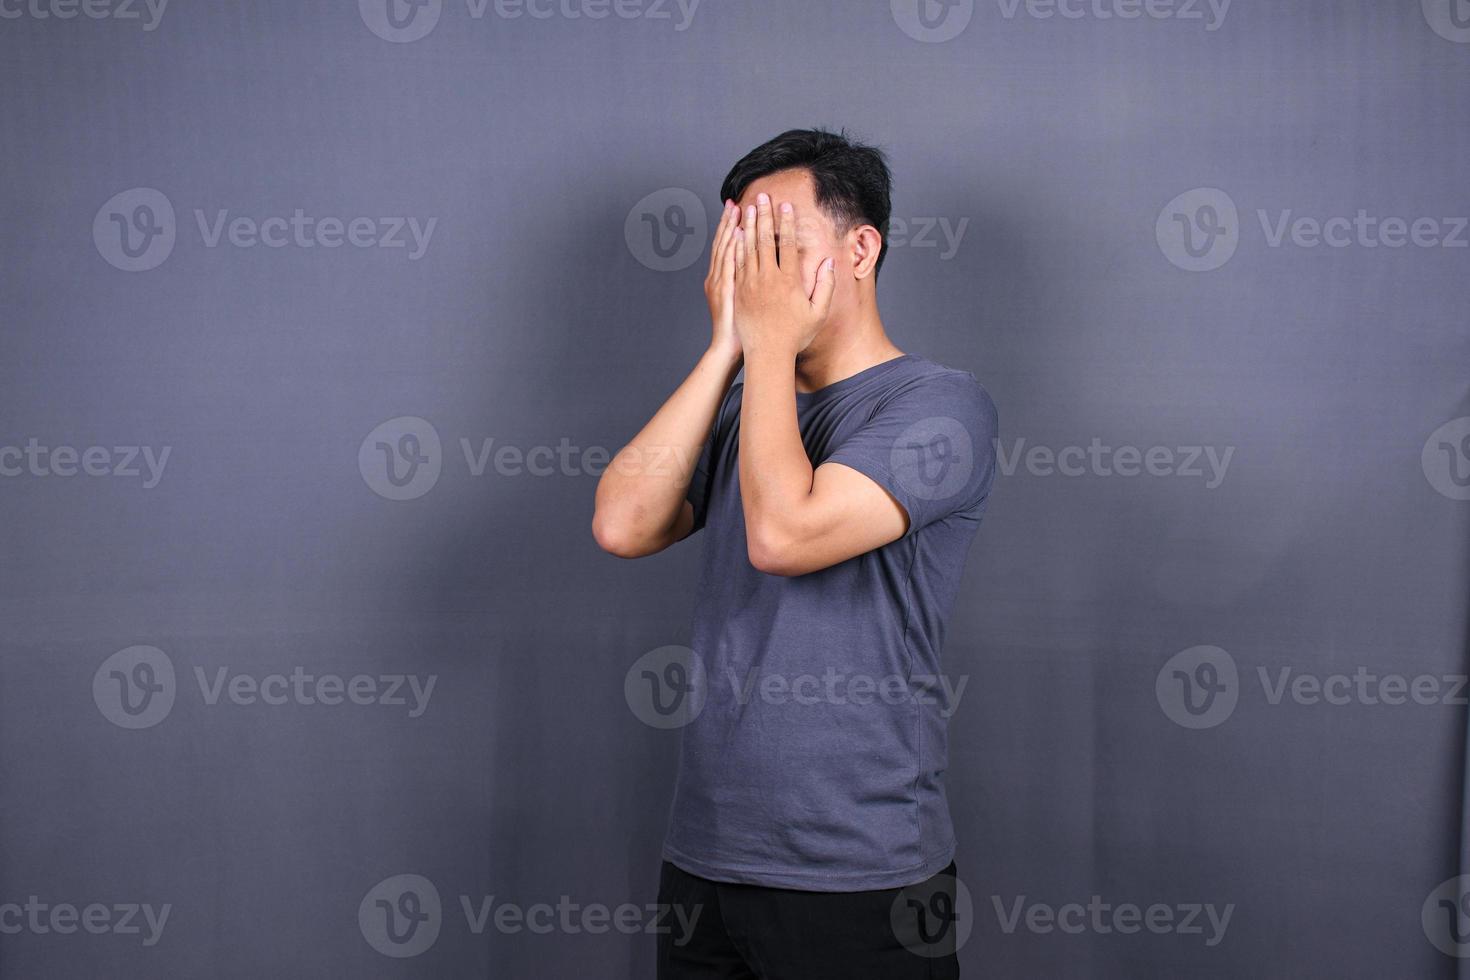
x=320 y=320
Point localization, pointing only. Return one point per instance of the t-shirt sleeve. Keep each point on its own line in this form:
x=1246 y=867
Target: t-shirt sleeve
x=931 y=445
x=698 y=493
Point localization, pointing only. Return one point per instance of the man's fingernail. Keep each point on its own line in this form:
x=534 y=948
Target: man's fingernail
x=786 y=208
x=763 y=198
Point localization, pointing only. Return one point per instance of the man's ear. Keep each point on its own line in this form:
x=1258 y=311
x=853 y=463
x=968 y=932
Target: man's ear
x=867 y=245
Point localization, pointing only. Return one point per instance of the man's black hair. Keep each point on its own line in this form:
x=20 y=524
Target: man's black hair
x=852 y=179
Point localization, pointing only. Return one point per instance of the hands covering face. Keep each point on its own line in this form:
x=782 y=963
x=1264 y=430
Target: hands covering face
x=756 y=287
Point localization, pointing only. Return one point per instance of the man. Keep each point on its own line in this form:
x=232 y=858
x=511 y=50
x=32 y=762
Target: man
x=839 y=487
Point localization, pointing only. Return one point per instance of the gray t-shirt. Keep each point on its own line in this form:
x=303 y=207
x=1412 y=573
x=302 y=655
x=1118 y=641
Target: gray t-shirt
x=817 y=758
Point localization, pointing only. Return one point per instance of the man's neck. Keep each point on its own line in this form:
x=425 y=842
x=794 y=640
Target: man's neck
x=843 y=349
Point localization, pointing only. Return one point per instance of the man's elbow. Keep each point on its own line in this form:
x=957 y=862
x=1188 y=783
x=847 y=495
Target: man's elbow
x=619 y=538
x=772 y=552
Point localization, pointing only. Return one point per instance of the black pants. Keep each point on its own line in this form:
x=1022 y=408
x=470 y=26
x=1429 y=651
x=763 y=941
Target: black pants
x=750 y=932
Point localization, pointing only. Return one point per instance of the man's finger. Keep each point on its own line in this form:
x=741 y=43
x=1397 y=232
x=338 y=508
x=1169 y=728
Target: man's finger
x=739 y=249
x=786 y=250
x=825 y=287
x=749 y=227
x=727 y=261
x=765 y=232
x=722 y=238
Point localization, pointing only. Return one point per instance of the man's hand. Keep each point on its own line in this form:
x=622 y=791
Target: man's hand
x=719 y=283
x=775 y=311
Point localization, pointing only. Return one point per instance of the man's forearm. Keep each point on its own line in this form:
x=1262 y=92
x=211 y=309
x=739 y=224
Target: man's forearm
x=775 y=473
x=641 y=494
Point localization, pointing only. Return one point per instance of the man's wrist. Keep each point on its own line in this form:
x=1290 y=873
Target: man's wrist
x=724 y=355
x=771 y=357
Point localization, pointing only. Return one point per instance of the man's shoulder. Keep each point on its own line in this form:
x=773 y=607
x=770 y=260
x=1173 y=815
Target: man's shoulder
x=927 y=380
